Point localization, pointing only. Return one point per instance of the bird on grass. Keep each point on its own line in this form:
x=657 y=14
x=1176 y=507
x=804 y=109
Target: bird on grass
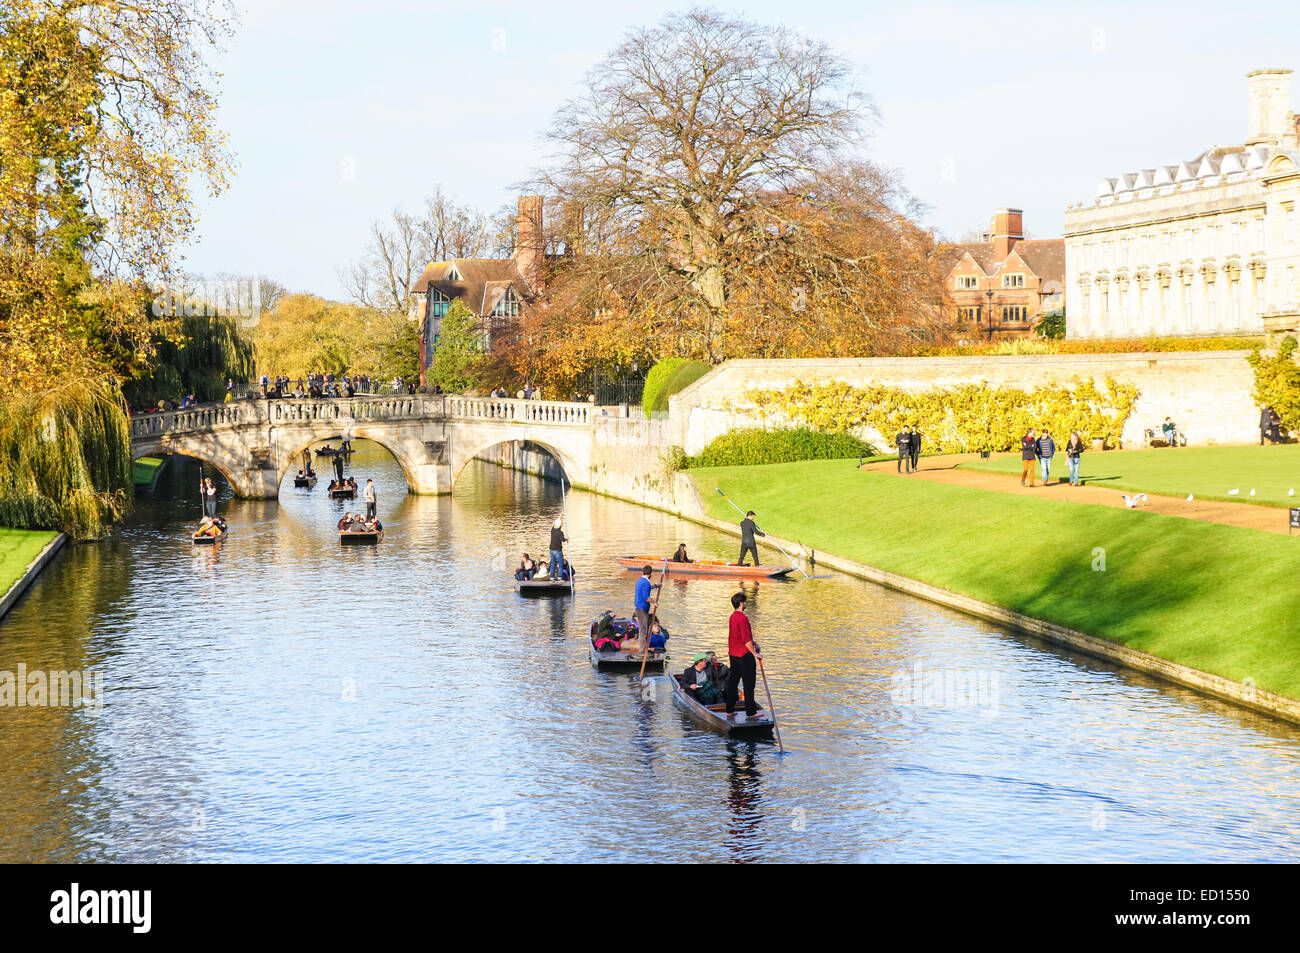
x=1190 y=497
x=1234 y=492
x=1252 y=491
x=1132 y=501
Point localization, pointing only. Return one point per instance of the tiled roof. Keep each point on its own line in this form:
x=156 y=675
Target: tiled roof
x=481 y=281
x=1044 y=256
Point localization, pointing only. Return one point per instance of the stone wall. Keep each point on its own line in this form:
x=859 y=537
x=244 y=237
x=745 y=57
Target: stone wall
x=628 y=461
x=1207 y=393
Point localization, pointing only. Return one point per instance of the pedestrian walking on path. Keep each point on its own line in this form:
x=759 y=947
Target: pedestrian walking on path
x=1073 y=450
x=903 y=440
x=913 y=449
x=1028 y=454
x=1046 y=450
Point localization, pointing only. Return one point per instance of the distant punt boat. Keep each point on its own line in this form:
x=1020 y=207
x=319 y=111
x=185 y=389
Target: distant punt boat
x=625 y=659
x=543 y=587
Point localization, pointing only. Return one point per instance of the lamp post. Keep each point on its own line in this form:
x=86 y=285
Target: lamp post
x=989 y=294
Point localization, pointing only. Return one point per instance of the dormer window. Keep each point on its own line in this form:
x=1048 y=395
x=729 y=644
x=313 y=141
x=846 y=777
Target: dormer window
x=452 y=274
x=507 y=305
x=1013 y=281
x=966 y=282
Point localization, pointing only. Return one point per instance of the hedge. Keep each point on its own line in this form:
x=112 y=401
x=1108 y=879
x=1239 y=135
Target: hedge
x=667 y=378
x=757 y=447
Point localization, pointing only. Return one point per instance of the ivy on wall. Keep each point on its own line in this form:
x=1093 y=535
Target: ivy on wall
x=1277 y=382
x=962 y=419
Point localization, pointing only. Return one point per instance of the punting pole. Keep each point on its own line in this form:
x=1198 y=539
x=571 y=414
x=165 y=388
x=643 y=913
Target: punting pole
x=774 y=542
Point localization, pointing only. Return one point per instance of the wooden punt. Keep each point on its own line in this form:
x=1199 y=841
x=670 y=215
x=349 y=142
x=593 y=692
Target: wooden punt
x=360 y=537
x=624 y=659
x=307 y=482
x=739 y=725
x=343 y=493
x=706 y=567
x=331 y=452
x=543 y=587
x=209 y=540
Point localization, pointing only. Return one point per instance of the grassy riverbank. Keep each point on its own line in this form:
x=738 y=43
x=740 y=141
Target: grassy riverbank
x=1217 y=598
x=1207 y=472
x=18 y=547
x=145 y=470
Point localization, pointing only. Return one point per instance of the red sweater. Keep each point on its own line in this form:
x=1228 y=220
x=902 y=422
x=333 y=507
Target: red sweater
x=738 y=634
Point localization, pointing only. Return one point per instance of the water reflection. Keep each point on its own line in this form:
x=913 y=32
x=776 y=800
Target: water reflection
x=280 y=697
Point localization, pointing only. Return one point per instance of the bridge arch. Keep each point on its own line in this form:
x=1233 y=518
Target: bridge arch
x=222 y=467
x=467 y=450
x=394 y=443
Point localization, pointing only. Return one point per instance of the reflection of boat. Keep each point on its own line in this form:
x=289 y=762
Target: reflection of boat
x=202 y=539
x=706 y=567
x=715 y=716
x=543 y=587
x=621 y=658
x=357 y=537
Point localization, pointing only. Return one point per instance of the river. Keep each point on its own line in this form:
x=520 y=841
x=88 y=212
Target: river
x=280 y=698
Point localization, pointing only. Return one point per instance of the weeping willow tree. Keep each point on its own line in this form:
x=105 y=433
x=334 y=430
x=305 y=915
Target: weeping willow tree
x=209 y=352
x=65 y=459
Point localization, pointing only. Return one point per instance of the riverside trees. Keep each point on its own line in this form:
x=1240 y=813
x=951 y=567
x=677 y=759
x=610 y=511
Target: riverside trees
x=727 y=207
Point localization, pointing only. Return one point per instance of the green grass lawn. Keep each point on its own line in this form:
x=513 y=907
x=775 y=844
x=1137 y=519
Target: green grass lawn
x=145 y=468
x=18 y=547
x=1207 y=472
x=1218 y=598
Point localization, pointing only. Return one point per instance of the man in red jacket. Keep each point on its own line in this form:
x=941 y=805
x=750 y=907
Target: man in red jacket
x=744 y=653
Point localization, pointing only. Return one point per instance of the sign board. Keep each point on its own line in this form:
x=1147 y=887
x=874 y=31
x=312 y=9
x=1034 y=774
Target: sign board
x=1295 y=519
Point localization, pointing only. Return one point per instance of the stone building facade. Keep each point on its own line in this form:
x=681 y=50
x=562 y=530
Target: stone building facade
x=1208 y=246
x=1003 y=286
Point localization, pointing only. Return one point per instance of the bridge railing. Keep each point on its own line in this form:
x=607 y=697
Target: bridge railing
x=523 y=411
x=208 y=417
x=376 y=407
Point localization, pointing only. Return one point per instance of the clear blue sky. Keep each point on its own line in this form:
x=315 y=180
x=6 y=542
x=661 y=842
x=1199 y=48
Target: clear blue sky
x=339 y=111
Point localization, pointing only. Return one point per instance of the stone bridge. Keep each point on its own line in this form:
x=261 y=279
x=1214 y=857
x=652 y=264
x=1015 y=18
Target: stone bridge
x=254 y=443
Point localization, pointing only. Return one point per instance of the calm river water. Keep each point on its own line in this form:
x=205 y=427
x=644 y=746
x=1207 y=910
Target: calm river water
x=281 y=699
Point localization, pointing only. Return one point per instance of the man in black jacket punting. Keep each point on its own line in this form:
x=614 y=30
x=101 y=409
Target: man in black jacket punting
x=748 y=529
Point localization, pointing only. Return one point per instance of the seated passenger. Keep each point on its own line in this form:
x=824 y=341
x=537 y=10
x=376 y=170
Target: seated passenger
x=699 y=684
x=717 y=671
x=527 y=569
x=658 y=635
x=680 y=556
x=346 y=521
x=607 y=637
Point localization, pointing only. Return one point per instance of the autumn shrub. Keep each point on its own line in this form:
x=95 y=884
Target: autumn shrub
x=960 y=419
x=668 y=377
x=1277 y=382
x=756 y=447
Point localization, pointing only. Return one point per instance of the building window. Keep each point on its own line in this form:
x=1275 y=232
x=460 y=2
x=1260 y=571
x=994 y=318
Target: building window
x=1212 y=241
x=1236 y=303
x=966 y=281
x=1166 y=245
x=1259 y=234
x=1289 y=294
x=1290 y=222
x=1211 y=307
x=1014 y=313
x=1123 y=252
x=968 y=315
x=507 y=306
x=438 y=304
x=1236 y=237
x=1189 y=242
x=1164 y=307
x=1013 y=281
x=1187 y=308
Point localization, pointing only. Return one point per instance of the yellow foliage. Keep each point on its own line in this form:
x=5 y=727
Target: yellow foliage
x=960 y=419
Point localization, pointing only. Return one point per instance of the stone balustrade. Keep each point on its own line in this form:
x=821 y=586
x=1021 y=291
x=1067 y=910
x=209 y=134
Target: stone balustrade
x=523 y=411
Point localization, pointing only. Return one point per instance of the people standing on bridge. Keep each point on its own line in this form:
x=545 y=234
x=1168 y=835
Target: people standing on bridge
x=641 y=603
x=744 y=652
x=558 y=539
x=903 y=441
x=372 y=501
x=748 y=529
x=913 y=448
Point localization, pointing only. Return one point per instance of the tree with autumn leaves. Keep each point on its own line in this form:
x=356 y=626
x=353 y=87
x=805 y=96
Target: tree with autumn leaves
x=727 y=208
x=107 y=114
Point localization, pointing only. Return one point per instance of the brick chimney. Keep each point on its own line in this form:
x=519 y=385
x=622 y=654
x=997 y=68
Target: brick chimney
x=1007 y=230
x=530 y=246
x=1268 y=97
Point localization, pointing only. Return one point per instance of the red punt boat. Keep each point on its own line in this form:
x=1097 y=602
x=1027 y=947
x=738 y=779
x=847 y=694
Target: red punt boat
x=706 y=567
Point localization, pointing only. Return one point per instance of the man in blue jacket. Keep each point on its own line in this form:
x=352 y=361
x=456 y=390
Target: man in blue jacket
x=1046 y=450
x=641 y=604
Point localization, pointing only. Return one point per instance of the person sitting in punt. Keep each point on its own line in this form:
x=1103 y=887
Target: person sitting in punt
x=608 y=637
x=346 y=521
x=211 y=527
x=658 y=635
x=699 y=683
x=680 y=556
x=527 y=569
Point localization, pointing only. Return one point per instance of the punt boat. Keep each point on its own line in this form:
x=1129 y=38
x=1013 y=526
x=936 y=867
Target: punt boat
x=543 y=587
x=740 y=725
x=706 y=567
x=621 y=658
x=360 y=537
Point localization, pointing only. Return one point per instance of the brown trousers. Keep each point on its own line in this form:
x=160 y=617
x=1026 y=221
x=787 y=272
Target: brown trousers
x=1027 y=470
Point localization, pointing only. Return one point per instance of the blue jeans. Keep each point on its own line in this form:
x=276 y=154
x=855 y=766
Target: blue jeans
x=1046 y=464
x=557 y=564
x=1074 y=470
